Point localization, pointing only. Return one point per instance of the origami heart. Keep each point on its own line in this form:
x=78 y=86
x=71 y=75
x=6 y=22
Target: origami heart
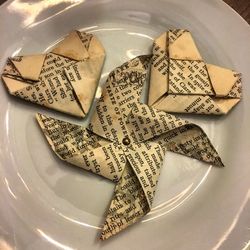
x=126 y=142
x=40 y=78
x=181 y=82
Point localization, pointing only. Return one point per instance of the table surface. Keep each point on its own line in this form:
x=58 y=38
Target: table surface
x=241 y=6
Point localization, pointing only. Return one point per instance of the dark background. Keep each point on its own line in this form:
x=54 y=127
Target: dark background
x=241 y=6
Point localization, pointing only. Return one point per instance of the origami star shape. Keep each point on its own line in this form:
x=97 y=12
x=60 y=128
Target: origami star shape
x=126 y=142
x=41 y=78
x=182 y=82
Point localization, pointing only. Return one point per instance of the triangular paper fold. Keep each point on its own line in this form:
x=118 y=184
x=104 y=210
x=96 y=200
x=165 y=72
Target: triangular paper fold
x=13 y=84
x=10 y=69
x=61 y=100
x=222 y=79
x=161 y=43
x=189 y=77
x=72 y=47
x=224 y=105
x=159 y=69
x=184 y=48
x=82 y=77
x=95 y=48
x=29 y=67
x=126 y=209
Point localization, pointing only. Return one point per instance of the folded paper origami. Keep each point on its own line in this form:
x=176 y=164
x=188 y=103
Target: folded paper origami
x=40 y=78
x=126 y=142
x=182 y=82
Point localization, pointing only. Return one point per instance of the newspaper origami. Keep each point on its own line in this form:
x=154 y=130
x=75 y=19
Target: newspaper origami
x=182 y=82
x=126 y=142
x=40 y=78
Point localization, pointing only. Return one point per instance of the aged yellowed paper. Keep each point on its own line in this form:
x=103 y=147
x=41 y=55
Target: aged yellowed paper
x=181 y=82
x=126 y=142
x=41 y=78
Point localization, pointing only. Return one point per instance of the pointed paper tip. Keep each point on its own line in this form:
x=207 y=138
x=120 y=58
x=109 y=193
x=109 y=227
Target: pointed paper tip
x=40 y=119
x=101 y=237
x=218 y=162
x=98 y=92
x=39 y=116
x=104 y=237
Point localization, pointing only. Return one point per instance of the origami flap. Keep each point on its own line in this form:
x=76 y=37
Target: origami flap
x=10 y=69
x=189 y=77
x=84 y=78
x=196 y=104
x=225 y=105
x=108 y=161
x=222 y=79
x=236 y=91
x=181 y=82
x=13 y=84
x=41 y=79
x=72 y=47
x=125 y=210
x=148 y=127
x=174 y=34
x=87 y=39
x=82 y=148
x=95 y=48
x=190 y=140
x=54 y=66
x=161 y=43
x=176 y=133
x=29 y=67
x=147 y=174
x=62 y=99
x=118 y=99
x=159 y=71
x=184 y=48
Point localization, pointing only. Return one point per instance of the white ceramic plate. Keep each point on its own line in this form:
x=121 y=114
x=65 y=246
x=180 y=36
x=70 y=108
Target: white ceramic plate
x=47 y=204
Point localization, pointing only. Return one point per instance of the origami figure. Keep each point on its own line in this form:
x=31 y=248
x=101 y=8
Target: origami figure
x=126 y=142
x=181 y=82
x=40 y=78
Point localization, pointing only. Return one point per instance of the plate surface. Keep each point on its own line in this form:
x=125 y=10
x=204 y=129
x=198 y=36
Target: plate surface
x=47 y=204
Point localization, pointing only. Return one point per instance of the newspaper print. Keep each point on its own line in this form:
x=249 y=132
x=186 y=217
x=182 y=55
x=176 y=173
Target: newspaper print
x=182 y=83
x=41 y=79
x=129 y=140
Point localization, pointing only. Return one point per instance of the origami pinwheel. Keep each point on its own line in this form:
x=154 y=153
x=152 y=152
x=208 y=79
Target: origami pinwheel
x=181 y=82
x=126 y=142
x=40 y=78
